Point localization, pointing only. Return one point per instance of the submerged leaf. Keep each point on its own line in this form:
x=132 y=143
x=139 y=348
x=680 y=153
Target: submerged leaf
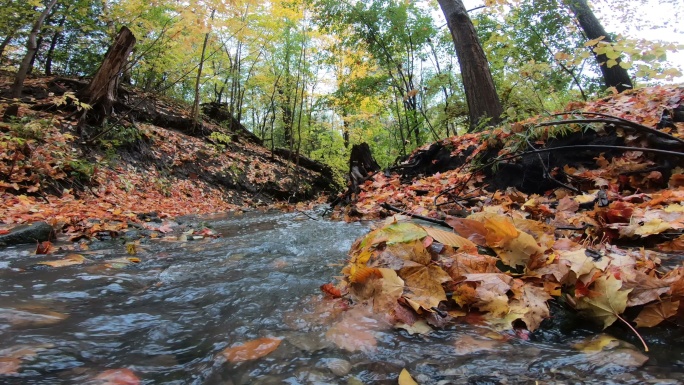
x=251 y=350
x=117 y=377
x=69 y=260
x=405 y=378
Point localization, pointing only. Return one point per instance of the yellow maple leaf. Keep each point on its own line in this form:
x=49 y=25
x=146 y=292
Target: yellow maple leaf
x=654 y=226
x=606 y=301
x=405 y=378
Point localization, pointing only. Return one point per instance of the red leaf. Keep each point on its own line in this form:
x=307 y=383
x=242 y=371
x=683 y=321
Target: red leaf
x=331 y=290
x=44 y=248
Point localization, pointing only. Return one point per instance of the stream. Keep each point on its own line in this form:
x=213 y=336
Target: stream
x=168 y=318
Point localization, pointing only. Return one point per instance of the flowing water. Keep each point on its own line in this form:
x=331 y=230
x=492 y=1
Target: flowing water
x=168 y=318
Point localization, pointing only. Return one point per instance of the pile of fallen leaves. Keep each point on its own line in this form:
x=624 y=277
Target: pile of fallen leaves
x=46 y=174
x=502 y=255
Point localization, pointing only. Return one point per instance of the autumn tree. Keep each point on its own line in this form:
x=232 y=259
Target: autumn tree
x=483 y=102
x=614 y=74
x=31 y=48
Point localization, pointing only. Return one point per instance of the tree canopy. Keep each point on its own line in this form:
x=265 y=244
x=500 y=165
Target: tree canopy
x=318 y=76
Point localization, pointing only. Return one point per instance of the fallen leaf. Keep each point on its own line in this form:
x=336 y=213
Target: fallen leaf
x=597 y=343
x=419 y=327
x=69 y=260
x=606 y=301
x=9 y=366
x=405 y=378
x=331 y=290
x=355 y=330
x=44 y=248
x=655 y=313
x=251 y=350
x=117 y=377
x=466 y=344
x=423 y=285
x=654 y=226
x=448 y=238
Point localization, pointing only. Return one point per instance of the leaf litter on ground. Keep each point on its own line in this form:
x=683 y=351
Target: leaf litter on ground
x=502 y=264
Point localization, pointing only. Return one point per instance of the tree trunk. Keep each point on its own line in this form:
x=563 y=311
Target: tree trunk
x=483 y=102
x=361 y=163
x=35 y=55
x=31 y=48
x=101 y=92
x=5 y=43
x=195 y=106
x=53 y=43
x=615 y=76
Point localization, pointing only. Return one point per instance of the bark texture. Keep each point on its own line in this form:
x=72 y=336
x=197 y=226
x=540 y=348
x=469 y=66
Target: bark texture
x=483 y=101
x=614 y=76
x=31 y=48
x=101 y=92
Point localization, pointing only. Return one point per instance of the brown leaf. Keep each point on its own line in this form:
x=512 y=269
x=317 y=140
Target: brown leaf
x=251 y=350
x=44 y=248
x=355 y=331
x=461 y=264
x=331 y=290
x=534 y=299
x=470 y=229
x=645 y=288
x=449 y=238
x=655 y=313
x=117 y=377
x=69 y=260
x=423 y=285
x=9 y=365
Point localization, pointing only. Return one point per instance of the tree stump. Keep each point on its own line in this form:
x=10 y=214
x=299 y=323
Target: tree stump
x=101 y=92
x=361 y=163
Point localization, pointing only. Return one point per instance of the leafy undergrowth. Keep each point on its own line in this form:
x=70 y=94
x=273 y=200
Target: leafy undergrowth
x=47 y=174
x=597 y=241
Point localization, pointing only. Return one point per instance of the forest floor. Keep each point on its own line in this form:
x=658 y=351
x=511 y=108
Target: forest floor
x=136 y=171
x=585 y=207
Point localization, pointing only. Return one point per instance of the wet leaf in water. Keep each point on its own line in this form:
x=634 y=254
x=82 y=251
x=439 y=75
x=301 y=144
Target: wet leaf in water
x=121 y=376
x=418 y=327
x=355 y=330
x=251 y=350
x=331 y=290
x=466 y=344
x=406 y=379
x=69 y=260
x=31 y=316
x=131 y=248
x=597 y=343
x=9 y=365
x=44 y=248
x=120 y=263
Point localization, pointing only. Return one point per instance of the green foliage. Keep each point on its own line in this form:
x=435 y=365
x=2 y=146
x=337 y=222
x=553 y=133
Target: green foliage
x=220 y=140
x=81 y=169
x=114 y=136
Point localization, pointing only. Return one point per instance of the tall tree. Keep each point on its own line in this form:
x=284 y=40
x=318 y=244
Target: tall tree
x=483 y=101
x=31 y=48
x=614 y=75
